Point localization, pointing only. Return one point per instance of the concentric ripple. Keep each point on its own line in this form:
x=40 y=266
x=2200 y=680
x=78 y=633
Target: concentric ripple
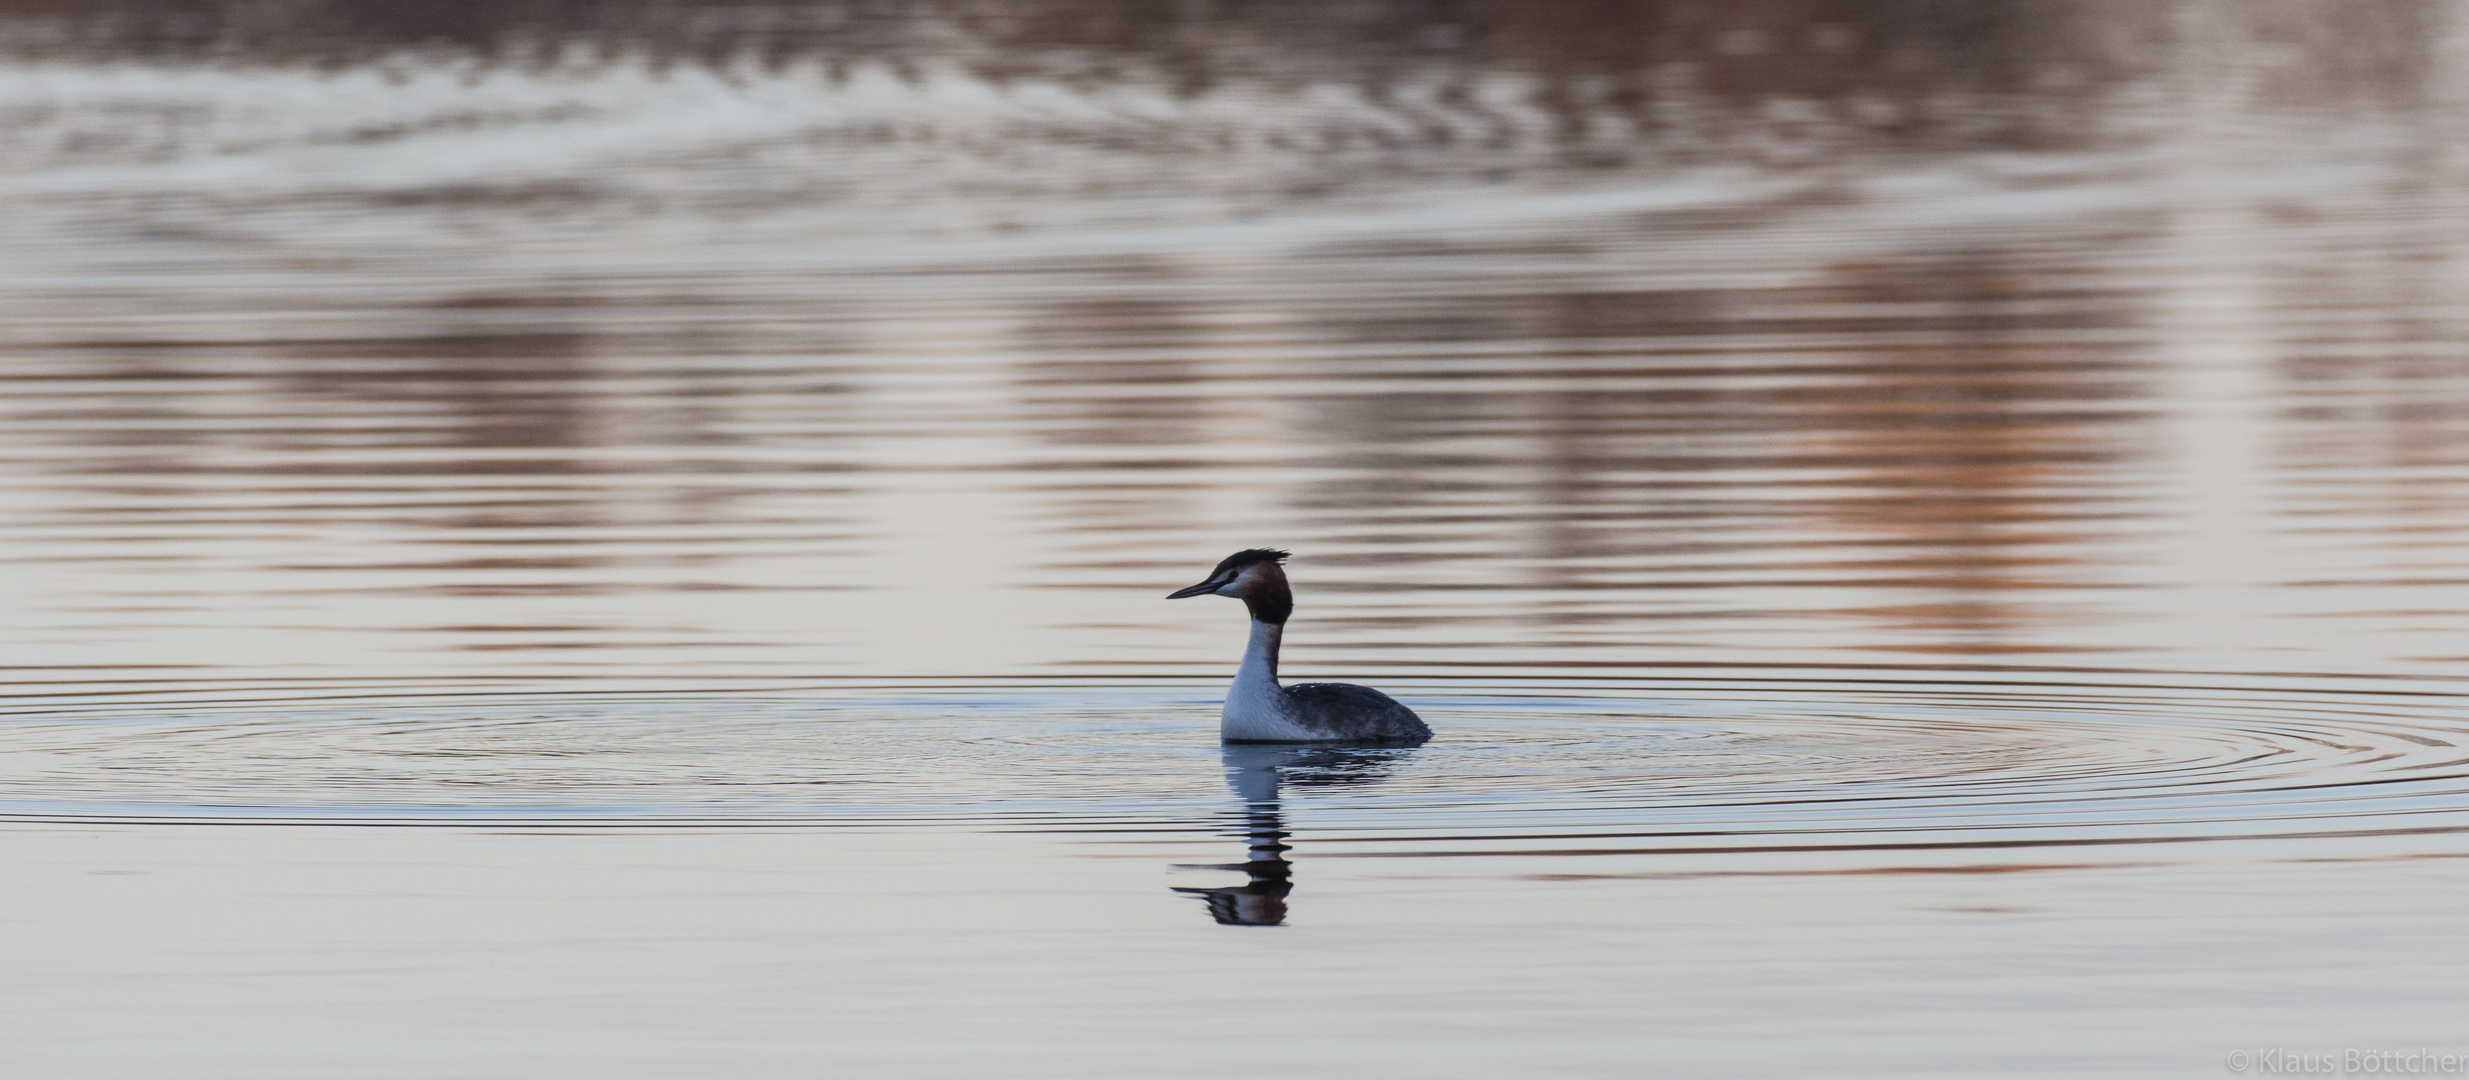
x=1676 y=765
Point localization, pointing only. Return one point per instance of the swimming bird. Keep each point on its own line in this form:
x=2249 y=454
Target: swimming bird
x=1257 y=708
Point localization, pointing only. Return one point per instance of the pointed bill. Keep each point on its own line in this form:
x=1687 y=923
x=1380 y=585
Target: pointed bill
x=1202 y=589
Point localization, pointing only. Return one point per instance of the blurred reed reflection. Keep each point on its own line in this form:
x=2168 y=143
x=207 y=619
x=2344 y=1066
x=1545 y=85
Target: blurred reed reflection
x=751 y=110
x=757 y=340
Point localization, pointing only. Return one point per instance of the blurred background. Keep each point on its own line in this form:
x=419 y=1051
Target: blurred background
x=648 y=339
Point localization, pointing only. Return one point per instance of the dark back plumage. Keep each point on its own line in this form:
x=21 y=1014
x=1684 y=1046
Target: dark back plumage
x=1347 y=711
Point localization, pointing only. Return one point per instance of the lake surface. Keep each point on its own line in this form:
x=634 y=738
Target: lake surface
x=631 y=540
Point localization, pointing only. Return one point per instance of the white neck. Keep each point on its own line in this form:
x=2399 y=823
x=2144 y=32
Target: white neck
x=1255 y=707
x=1260 y=657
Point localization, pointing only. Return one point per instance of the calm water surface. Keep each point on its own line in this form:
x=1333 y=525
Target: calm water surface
x=631 y=542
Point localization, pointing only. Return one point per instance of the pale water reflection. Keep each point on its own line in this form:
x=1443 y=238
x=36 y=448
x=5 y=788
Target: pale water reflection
x=625 y=537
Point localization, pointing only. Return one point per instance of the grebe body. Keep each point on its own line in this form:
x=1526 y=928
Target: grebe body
x=1257 y=708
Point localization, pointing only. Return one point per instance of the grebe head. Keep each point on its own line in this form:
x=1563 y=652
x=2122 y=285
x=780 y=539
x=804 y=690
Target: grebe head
x=1252 y=576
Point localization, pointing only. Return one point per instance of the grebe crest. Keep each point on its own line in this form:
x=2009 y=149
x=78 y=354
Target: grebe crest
x=1257 y=708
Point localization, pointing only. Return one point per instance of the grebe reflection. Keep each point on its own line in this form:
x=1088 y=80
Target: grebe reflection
x=1259 y=775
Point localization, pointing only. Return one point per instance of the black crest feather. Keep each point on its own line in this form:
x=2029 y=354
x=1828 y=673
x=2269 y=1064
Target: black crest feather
x=1246 y=557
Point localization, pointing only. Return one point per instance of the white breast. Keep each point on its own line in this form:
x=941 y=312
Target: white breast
x=1255 y=707
x=1255 y=712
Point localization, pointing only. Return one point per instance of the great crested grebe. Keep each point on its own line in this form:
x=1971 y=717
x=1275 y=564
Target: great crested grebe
x=1259 y=710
